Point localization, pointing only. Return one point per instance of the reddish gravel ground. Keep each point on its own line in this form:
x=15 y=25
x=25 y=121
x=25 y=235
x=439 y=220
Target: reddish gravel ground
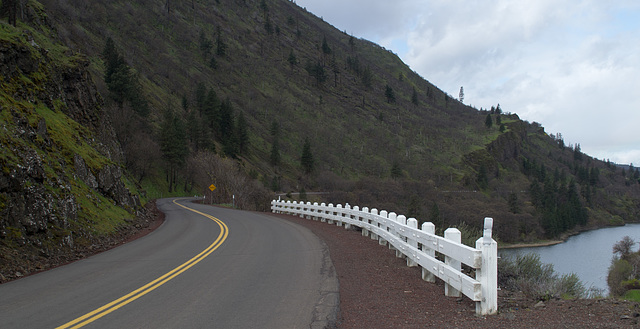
x=378 y=290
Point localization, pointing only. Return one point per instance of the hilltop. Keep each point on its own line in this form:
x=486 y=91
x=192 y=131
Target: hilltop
x=259 y=97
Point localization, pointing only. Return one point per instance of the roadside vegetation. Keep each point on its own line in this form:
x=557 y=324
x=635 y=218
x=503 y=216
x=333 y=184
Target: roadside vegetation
x=526 y=273
x=624 y=273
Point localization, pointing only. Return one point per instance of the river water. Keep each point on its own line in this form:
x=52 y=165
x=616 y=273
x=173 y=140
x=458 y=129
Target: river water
x=587 y=254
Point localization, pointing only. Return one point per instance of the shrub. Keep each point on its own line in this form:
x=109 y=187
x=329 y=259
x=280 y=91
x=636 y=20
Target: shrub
x=528 y=274
x=619 y=271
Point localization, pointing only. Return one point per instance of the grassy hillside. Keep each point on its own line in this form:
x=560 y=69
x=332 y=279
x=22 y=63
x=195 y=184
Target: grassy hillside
x=381 y=135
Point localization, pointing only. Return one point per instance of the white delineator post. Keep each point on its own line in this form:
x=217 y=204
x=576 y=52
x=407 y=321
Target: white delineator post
x=487 y=275
x=454 y=235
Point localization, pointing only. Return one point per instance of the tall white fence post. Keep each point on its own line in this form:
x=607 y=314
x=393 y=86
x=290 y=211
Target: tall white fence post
x=374 y=222
x=383 y=227
x=365 y=219
x=339 y=215
x=348 y=214
x=430 y=228
x=487 y=274
x=454 y=235
x=411 y=240
x=402 y=221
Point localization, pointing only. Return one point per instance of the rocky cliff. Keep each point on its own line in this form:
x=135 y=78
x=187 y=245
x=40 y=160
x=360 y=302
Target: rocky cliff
x=62 y=188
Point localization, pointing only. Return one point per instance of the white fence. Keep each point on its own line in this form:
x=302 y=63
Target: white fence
x=419 y=247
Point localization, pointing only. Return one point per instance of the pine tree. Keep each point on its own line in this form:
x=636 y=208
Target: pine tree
x=513 y=203
x=306 y=161
x=488 y=122
x=414 y=97
x=275 y=150
x=482 y=179
x=9 y=9
x=242 y=134
x=173 y=146
x=292 y=59
x=461 y=96
x=325 y=46
x=396 y=171
x=390 y=94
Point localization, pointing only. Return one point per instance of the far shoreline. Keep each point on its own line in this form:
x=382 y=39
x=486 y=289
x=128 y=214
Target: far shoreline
x=562 y=238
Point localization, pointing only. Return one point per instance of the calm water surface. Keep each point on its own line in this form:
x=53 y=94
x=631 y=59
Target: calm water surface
x=587 y=254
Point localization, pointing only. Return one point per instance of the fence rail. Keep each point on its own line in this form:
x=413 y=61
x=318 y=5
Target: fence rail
x=419 y=247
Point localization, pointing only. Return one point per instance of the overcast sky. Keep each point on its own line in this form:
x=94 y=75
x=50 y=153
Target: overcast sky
x=573 y=66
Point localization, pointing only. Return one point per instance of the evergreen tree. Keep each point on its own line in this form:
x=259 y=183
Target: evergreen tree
x=275 y=153
x=173 y=145
x=396 y=171
x=9 y=9
x=434 y=215
x=226 y=127
x=461 y=96
x=275 y=150
x=317 y=71
x=390 y=94
x=210 y=109
x=577 y=154
x=482 y=179
x=242 y=134
x=325 y=46
x=488 y=122
x=414 y=97
x=367 y=77
x=292 y=59
x=205 y=45
x=267 y=25
x=513 y=203
x=221 y=46
x=200 y=96
x=306 y=161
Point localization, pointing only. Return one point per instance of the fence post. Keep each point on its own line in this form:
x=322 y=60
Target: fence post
x=400 y=220
x=322 y=212
x=487 y=274
x=315 y=211
x=430 y=251
x=454 y=235
x=365 y=219
x=383 y=227
x=392 y=224
x=288 y=206
x=356 y=215
x=339 y=215
x=347 y=224
x=411 y=240
x=374 y=222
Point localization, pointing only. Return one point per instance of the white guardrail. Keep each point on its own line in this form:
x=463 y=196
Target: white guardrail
x=419 y=247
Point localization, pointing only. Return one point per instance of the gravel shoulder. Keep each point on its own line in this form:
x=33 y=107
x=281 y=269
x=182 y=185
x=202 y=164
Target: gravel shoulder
x=378 y=290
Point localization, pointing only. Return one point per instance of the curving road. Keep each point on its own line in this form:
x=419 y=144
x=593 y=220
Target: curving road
x=205 y=267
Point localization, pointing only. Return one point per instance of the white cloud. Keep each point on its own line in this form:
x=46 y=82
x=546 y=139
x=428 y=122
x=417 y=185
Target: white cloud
x=572 y=65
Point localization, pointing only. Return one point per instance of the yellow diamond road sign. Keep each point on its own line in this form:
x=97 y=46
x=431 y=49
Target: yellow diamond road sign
x=212 y=187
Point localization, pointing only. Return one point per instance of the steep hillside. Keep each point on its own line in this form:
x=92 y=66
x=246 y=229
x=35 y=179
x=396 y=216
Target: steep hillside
x=62 y=188
x=253 y=80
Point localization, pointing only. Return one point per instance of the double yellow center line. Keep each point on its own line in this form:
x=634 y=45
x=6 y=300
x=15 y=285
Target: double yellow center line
x=128 y=298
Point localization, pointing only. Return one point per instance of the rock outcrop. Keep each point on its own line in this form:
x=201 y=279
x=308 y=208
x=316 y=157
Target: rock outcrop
x=61 y=176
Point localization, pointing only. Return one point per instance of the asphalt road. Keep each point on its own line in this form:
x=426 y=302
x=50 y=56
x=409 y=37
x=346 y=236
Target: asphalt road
x=219 y=268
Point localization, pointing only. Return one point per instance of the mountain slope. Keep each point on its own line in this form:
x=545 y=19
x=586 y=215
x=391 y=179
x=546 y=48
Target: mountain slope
x=62 y=188
x=381 y=135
